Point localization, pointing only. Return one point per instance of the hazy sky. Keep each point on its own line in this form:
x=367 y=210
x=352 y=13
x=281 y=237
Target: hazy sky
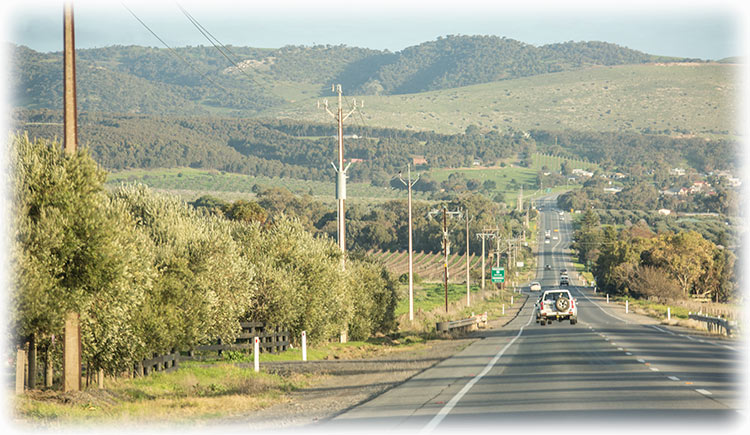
x=700 y=29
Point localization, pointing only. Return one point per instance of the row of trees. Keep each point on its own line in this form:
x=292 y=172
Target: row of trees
x=148 y=273
x=375 y=226
x=666 y=266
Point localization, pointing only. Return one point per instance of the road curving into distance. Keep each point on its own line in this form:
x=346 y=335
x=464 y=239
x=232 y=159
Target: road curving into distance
x=613 y=369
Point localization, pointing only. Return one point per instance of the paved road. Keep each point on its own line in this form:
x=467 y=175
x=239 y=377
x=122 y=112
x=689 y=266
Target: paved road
x=612 y=368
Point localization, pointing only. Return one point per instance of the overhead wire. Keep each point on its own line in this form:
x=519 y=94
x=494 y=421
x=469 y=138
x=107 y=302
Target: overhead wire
x=214 y=41
x=174 y=52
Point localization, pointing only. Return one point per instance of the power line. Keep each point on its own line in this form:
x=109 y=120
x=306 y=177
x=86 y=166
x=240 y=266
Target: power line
x=172 y=50
x=211 y=38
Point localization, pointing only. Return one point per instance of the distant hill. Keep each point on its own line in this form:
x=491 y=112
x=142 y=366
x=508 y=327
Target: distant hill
x=133 y=79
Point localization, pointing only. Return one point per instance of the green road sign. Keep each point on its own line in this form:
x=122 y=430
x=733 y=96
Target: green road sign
x=498 y=274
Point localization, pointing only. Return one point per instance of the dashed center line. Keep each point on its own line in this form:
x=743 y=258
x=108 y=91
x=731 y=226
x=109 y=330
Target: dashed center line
x=704 y=392
x=673 y=378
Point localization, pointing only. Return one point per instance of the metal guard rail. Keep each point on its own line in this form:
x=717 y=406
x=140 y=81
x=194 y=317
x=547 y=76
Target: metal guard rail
x=473 y=322
x=714 y=324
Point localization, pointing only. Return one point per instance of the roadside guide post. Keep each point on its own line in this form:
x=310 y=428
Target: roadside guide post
x=304 y=346
x=626 y=306
x=607 y=297
x=669 y=313
x=256 y=353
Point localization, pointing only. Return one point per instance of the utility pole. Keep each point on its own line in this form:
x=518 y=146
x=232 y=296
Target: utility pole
x=446 y=248
x=468 y=278
x=484 y=235
x=70 y=115
x=409 y=185
x=340 y=170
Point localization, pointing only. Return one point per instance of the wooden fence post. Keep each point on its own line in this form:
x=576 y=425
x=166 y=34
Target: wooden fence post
x=48 y=372
x=72 y=354
x=20 y=370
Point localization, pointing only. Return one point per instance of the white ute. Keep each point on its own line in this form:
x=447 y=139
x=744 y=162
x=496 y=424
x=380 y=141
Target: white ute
x=556 y=304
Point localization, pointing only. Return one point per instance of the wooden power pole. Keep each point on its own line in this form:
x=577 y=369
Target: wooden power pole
x=70 y=115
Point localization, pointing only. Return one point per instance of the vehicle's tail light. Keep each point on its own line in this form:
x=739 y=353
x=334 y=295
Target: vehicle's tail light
x=572 y=304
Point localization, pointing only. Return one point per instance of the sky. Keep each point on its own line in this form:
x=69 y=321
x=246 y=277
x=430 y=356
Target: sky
x=689 y=28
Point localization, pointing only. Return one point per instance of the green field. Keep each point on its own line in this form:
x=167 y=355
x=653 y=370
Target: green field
x=192 y=183
x=698 y=98
x=429 y=296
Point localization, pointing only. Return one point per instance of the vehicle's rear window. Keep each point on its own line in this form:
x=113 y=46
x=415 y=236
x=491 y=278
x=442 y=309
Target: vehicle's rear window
x=554 y=296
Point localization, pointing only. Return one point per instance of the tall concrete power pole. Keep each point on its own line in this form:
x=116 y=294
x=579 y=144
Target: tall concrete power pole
x=408 y=183
x=340 y=169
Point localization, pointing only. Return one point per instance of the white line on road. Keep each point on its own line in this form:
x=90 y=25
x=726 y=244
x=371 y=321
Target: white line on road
x=673 y=378
x=640 y=361
x=454 y=400
x=654 y=369
x=704 y=392
x=662 y=330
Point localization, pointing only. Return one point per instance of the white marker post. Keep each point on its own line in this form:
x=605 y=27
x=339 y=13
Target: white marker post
x=511 y=300
x=304 y=346
x=626 y=306
x=669 y=313
x=607 y=297
x=256 y=353
x=503 y=309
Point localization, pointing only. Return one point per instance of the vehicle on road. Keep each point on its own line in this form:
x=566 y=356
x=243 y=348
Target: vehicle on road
x=558 y=305
x=547 y=233
x=546 y=241
x=564 y=280
x=547 y=267
x=554 y=237
x=535 y=287
x=563 y=271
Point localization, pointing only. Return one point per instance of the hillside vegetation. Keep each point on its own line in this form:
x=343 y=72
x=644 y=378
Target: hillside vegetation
x=154 y=80
x=680 y=99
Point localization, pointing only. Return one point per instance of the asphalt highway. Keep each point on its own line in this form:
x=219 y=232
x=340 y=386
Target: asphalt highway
x=612 y=370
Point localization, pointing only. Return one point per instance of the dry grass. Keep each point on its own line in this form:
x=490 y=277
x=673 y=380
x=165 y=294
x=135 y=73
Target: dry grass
x=195 y=393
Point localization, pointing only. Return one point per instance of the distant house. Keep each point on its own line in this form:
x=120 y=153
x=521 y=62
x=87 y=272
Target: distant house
x=477 y=163
x=418 y=160
x=582 y=173
x=664 y=211
x=354 y=160
x=612 y=190
x=700 y=187
x=683 y=191
x=677 y=172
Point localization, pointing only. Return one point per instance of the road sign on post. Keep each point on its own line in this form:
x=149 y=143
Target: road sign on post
x=498 y=274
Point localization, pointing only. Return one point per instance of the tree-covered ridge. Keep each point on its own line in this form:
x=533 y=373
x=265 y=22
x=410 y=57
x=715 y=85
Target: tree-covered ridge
x=456 y=61
x=153 y=80
x=301 y=150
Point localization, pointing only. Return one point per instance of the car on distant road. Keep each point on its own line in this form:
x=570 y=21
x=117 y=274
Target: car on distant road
x=547 y=267
x=546 y=241
x=564 y=280
x=556 y=304
x=535 y=287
